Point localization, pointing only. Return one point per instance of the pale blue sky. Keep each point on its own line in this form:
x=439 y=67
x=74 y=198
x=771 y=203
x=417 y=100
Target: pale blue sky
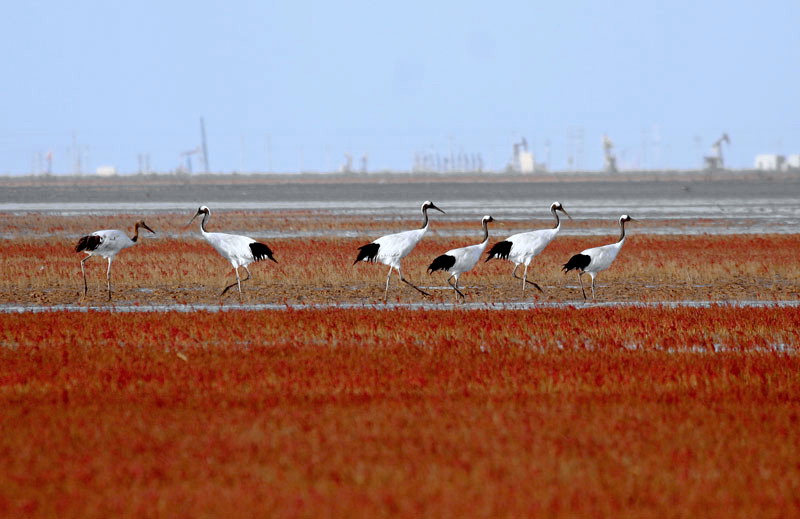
x=297 y=84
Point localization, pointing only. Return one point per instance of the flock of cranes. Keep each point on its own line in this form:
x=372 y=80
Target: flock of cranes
x=389 y=250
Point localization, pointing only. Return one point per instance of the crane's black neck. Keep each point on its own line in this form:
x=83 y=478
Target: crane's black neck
x=555 y=215
x=621 y=230
x=135 y=233
x=425 y=221
x=203 y=222
x=485 y=231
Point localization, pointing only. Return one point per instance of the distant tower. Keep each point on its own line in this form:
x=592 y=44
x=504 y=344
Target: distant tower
x=575 y=136
x=364 y=160
x=347 y=166
x=610 y=160
x=144 y=163
x=77 y=167
x=579 y=138
x=204 y=145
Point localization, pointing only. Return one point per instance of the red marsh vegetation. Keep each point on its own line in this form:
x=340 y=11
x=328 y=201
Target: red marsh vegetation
x=596 y=412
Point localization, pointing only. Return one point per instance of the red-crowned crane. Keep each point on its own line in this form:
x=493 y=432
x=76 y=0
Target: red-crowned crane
x=597 y=259
x=239 y=250
x=392 y=248
x=107 y=243
x=523 y=247
x=458 y=261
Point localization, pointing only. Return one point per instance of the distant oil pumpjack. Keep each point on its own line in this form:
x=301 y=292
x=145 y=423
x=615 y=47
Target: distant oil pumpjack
x=716 y=161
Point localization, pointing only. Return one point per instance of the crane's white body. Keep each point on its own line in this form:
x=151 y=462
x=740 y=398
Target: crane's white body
x=392 y=248
x=527 y=245
x=106 y=243
x=597 y=259
x=395 y=247
x=112 y=241
x=602 y=257
x=239 y=250
x=463 y=259
x=466 y=258
x=233 y=247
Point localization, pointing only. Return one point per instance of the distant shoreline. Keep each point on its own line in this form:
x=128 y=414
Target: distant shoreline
x=392 y=177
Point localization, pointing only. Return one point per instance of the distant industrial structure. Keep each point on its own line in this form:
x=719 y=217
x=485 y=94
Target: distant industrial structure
x=523 y=160
x=105 y=171
x=716 y=160
x=776 y=162
x=454 y=161
x=185 y=165
x=609 y=159
x=435 y=162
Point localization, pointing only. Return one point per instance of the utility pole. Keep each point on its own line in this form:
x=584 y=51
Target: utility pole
x=204 y=144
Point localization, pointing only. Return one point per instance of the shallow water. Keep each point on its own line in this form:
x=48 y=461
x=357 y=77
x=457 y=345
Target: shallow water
x=145 y=308
x=725 y=207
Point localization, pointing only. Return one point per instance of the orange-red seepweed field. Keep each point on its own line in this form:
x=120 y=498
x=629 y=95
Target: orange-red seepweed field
x=314 y=409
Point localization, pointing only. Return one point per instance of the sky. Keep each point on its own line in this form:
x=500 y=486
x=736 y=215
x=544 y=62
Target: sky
x=294 y=86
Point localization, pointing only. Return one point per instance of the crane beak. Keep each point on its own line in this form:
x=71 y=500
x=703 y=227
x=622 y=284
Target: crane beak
x=148 y=228
x=565 y=212
x=190 y=221
x=433 y=206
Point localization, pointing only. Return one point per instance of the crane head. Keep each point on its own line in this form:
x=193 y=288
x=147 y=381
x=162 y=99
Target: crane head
x=202 y=210
x=486 y=219
x=556 y=206
x=626 y=218
x=141 y=223
x=430 y=205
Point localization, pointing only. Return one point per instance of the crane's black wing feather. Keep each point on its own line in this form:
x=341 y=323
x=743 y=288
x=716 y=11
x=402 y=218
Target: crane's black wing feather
x=499 y=250
x=367 y=252
x=261 y=252
x=88 y=243
x=577 y=262
x=443 y=262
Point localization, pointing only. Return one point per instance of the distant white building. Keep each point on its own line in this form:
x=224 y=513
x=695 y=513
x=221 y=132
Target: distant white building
x=106 y=171
x=769 y=162
x=792 y=161
x=526 y=162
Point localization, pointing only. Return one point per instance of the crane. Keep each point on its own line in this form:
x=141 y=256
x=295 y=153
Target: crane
x=521 y=248
x=239 y=250
x=597 y=259
x=458 y=261
x=392 y=248
x=107 y=243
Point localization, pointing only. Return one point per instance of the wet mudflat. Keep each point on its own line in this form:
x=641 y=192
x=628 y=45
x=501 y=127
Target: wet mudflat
x=694 y=239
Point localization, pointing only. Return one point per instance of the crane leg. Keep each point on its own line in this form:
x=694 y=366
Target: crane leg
x=386 y=292
x=237 y=284
x=592 y=286
x=83 y=271
x=580 y=280
x=404 y=280
x=515 y=276
x=455 y=287
x=108 y=279
x=524 y=279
